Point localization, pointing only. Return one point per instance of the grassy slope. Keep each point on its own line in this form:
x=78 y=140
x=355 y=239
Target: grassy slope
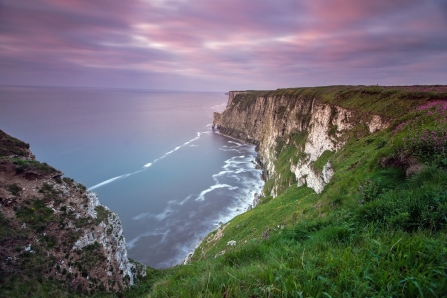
x=372 y=232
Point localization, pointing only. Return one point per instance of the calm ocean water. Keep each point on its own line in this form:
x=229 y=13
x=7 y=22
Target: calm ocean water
x=151 y=156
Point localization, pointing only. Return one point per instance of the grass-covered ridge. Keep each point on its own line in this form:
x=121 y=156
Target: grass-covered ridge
x=377 y=229
x=388 y=101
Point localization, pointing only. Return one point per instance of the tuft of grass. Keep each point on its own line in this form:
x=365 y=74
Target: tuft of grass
x=23 y=165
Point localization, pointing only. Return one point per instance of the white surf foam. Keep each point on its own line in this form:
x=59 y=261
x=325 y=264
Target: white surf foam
x=168 y=211
x=146 y=166
x=159 y=232
x=178 y=147
x=112 y=180
x=142 y=215
x=201 y=196
x=219 y=107
x=236 y=143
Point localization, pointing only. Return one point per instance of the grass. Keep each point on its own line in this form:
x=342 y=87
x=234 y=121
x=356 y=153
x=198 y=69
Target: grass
x=10 y=146
x=390 y=101
x=36 y=215
x=23 y=165
x=322 y=160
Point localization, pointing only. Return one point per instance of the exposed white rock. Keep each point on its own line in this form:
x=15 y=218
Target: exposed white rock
x=109 y=235
x=188 y=258
x=327 y=172
x=318 y=141
x=93 y=202
x=231 y=243
x=376 y=123
x=269 y=119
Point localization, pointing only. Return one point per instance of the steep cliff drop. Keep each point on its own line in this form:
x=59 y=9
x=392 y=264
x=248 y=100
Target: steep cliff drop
x=297 y=117
x=54 y=228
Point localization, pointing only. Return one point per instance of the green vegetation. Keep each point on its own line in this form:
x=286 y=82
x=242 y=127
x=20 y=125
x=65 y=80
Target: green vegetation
x=10 y=146
x=14 y=189
x=287 y=153
x=322 y=160
x=23 y=165
x=36 y=215
x=390 y=101
x=102 y=214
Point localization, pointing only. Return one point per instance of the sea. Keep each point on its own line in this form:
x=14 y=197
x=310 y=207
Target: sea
x=151 y=156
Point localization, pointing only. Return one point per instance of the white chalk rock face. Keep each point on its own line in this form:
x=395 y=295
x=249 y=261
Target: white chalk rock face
x=109 y=234
x=267 y=121
x=324 y=118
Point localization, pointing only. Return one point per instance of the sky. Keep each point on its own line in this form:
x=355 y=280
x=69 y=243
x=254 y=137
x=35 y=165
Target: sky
x=222 y=45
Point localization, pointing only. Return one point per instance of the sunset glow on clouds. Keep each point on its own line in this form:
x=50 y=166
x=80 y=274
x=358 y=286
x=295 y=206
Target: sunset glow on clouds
x=222 y=45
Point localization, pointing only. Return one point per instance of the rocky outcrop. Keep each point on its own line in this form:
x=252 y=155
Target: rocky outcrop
x=55 y=228
x=272 y=120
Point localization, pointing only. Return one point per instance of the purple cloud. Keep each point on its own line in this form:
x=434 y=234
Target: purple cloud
x=201 y=44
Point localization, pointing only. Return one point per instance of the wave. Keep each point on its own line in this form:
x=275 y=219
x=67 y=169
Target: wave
x=169 y=210
x=147 y=165
x=201 y=196
x=183 y=222
x=180 y=224
x=112 y=180
x=130 y=244
x=220 y=107
x=178 y=147
x=236 y=143
x=142 y=215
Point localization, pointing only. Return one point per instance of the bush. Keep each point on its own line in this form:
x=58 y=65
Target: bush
x=14 y=189
x=369 y=190
x=429 y=145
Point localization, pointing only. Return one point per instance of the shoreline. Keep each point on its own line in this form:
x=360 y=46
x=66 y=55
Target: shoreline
x=255 y=201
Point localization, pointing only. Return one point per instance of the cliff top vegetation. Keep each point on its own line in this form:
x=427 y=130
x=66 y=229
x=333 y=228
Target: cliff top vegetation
x=389 y=101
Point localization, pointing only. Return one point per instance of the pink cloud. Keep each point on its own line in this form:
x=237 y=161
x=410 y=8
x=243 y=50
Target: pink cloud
x=262 y=44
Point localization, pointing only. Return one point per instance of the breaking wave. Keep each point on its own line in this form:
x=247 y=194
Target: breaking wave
x=190 y=219
x=146 y=166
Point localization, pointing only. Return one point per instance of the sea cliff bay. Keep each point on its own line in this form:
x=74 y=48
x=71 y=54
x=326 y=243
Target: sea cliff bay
x=353 y=204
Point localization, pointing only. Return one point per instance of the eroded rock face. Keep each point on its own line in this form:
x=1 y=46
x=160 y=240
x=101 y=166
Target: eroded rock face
x=268 y=121
x=60 y=225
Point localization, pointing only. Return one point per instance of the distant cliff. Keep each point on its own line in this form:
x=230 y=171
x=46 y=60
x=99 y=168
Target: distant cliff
x=313 y=122
x=53 y=228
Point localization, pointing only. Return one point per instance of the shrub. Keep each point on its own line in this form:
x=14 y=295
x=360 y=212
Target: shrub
x=369 y=190
x=429 y=145
x=14 y=189
x=420 y=204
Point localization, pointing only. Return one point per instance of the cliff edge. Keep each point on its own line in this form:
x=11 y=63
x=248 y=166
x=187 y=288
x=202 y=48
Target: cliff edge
x=53 y=228
x=315 y=122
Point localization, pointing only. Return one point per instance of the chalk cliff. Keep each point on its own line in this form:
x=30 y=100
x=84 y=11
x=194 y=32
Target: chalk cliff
x=54 y=228
x=300 y=119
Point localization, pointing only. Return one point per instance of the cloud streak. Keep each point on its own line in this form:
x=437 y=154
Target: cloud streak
x=209 y=45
